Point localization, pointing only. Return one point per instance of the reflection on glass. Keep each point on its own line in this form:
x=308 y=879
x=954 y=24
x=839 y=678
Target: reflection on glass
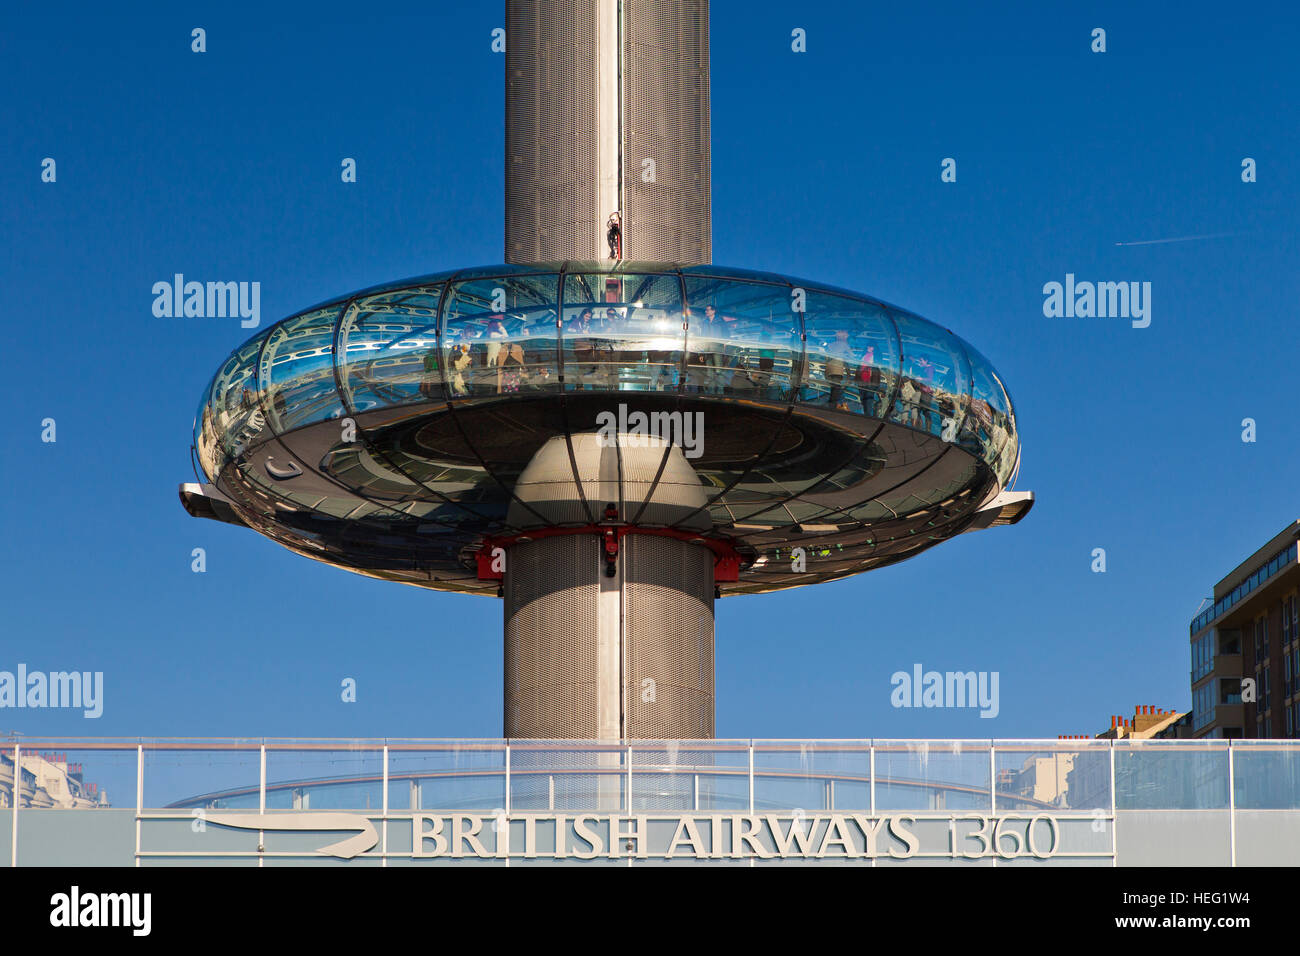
x=622 y=332
x=1190 y=775
x=499 y=336
x=935 y=378
x=389 y=348
x=296 y=371
x=932 y=775
x=505 y=334
x=743 y=339
x=234 y=412
x=814 y=775
x=852 y=356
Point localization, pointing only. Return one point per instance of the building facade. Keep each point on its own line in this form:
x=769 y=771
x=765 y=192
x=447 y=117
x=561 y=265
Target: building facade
x=1245 y=647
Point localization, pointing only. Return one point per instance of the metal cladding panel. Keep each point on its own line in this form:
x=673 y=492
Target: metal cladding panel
x=666 y=119
x=668 y=621
x=551 y=132
x=551 y=668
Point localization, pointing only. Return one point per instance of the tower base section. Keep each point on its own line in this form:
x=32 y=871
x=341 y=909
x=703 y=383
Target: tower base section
x=594 y=656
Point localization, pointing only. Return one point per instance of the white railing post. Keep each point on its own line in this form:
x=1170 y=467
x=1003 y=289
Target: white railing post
x=261 y=807
x=873 y=781
x=139 y=796
x=18 y=798
x=383 y=828
x=507 y=778
x=1114 y=817
x=1232 y=809
x=993 y=799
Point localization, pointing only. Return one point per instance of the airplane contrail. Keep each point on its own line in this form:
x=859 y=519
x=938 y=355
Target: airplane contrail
x=1156 y=242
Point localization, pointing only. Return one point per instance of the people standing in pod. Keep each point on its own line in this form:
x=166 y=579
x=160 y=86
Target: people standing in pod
x=868 y=378
x=460 y=360
x=837 y=353
x=496 y=331
x=584 y=350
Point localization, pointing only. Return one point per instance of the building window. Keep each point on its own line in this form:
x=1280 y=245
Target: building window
x=1202 y=656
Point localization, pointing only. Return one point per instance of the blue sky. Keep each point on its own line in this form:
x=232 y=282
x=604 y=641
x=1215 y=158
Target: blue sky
x=826 y=165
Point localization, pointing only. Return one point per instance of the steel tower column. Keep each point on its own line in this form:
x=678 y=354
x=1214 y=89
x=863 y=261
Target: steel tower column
x=591 y=654
x=607 y=110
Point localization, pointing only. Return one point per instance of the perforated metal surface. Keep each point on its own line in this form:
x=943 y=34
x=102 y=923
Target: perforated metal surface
x=553 y=128
x=668 y=636
x=550 y=637
x=552 y=666
x=666 y=119
x=551 y=132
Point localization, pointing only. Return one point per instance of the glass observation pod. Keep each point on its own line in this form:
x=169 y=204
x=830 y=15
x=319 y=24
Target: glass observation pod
x=383 y=432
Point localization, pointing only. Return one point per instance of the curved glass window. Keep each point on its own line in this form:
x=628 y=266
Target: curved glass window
x=389 y=349
x=987 y=421
x=852 y=355
x=742 y=340
x=498 y=336
x=622 y=331
x=207 y=442
x=934 y=383
x=296 y=371
x=781 y=368
x=1009 y=461
x=235 y=416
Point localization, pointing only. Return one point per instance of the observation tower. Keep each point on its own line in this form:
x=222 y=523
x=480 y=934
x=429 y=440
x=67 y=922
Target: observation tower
x=607 y=432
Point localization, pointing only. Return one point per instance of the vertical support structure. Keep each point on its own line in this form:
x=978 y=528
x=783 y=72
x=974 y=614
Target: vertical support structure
x=609 y=653
x=607 y=109
x=609 y=93
x=993 y=797
x=1114 y=817
x=665 y=139
x=18 y=799
x=608 y=629
x=261 y=804
x=139 y=797
x=588 y=656
x=1232 y=810
x=872 y=761
x=383 y=847
x=873 y=777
